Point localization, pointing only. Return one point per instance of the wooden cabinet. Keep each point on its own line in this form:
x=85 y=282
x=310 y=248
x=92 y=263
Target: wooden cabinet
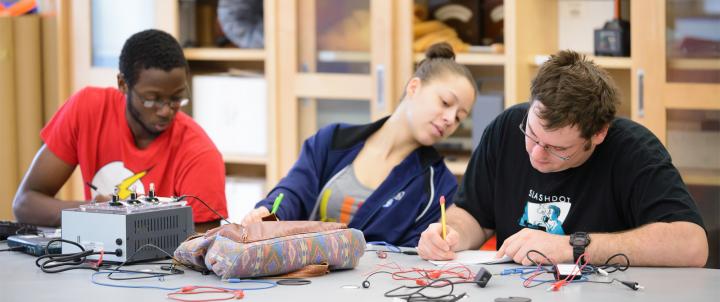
x=336 y=62
x=676 y=94
x=677 y=91
x=204 y=59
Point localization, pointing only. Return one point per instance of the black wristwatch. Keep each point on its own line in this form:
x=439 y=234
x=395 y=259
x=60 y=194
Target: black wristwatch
x=579 y=241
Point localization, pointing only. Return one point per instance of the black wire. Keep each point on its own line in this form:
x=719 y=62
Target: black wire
x=206 y=205
x=418 y=295
x=537 y=283
x=589 y=269
x=48 y=262
x=13 y=249
x=551 y=270
x=173 y=270
x=29 y=230
x=406 y=252
x=613 y=267
x=367 y=279
x=527 y=255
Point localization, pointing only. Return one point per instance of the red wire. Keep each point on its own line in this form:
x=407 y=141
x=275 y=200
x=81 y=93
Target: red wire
x=425 y=275
x=99 y=262
x=191 y=290
x=570 y=277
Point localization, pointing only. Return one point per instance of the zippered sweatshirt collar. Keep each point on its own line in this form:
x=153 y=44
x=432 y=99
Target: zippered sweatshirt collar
x=350 y=136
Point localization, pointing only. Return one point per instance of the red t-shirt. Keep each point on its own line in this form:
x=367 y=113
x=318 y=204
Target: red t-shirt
x=91 y=130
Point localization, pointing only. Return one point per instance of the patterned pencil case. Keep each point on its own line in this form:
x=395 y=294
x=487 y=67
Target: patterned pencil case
x=272 y=248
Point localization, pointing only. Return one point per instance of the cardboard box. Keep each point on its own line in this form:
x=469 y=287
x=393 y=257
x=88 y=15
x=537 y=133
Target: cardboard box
x=577 y=21
x=233 y=112
x=242 y=194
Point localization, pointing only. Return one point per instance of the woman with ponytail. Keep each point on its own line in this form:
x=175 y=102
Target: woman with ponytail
x=383 y=178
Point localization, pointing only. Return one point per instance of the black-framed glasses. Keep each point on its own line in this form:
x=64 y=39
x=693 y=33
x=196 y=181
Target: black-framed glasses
x=173 y=102
x=548 y=148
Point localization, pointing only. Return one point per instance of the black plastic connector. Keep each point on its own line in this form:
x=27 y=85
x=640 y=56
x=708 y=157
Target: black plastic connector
x=482 y=277
x=631 y=284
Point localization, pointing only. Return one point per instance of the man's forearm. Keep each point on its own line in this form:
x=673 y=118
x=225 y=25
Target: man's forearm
x=39 y=209
x=472 y=235
x=655 y=244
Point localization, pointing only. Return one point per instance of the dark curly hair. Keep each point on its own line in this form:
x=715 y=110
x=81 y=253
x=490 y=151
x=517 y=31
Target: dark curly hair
x=439 y=60
x=147 y=49
x=574 y=91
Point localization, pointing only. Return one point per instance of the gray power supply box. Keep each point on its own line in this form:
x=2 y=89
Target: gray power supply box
x=128 y=227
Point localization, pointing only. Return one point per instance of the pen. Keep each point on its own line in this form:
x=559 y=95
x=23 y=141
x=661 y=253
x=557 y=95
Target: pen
x=442 y=216
x=94 y=188
x=277 y=202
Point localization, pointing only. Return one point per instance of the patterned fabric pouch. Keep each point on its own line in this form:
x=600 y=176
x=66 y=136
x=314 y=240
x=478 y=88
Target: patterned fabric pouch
x=272 y=248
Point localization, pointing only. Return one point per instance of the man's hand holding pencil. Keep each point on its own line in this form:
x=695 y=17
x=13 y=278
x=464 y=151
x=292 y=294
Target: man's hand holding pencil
x=439 y=241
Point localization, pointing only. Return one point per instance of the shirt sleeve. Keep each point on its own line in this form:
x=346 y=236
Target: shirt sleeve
x=60 y=134
x=656 y=192
x=204 y=177
x=301 y=186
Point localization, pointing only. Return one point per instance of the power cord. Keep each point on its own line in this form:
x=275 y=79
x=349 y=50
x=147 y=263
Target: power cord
x=206 y=205
x=70 y=261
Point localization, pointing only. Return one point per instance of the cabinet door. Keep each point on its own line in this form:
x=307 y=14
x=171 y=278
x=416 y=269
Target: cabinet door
x=676 y=62
x=334 y=59
x=676 y=81
x=676 y=76
x=99 y=29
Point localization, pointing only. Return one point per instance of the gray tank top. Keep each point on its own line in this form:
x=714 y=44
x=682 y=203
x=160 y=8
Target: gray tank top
x=341 y=197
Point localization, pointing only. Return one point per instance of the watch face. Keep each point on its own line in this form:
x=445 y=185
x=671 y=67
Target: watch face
x=579 y=240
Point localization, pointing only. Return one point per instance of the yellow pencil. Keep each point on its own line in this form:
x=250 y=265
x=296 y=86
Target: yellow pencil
x=442 y=216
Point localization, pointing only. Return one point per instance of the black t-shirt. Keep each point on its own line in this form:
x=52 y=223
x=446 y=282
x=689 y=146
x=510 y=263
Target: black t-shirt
x=628 y=181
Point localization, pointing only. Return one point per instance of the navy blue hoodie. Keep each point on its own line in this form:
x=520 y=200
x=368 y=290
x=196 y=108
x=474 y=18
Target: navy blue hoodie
x=396 y=212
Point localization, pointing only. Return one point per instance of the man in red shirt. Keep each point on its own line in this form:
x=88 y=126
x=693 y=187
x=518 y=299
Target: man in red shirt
x=128 y=138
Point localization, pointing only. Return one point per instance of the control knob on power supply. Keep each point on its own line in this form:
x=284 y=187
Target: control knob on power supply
x=151 y=194
x=115 y=202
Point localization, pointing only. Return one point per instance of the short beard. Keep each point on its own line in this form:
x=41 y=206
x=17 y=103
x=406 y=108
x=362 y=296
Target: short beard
x=135 y=114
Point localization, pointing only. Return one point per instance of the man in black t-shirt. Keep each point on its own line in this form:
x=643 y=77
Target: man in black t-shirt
x=563 y=176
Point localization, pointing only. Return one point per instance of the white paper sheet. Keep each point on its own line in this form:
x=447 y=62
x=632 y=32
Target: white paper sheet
x=474 y=257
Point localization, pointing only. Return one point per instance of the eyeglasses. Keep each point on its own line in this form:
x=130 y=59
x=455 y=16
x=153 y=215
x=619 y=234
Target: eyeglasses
x=174 y=102
x=546 y=147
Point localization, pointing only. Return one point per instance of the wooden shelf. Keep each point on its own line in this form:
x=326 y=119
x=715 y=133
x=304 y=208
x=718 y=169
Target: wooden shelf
x=246 y=160
x=704 y=177
x=694 y=64
x=474 y=59
x=224 y=54
x=604 y=62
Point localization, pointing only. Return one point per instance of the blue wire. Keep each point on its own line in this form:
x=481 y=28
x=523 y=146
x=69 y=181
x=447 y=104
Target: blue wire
x=92 y=279
x=518 y=270
x=270 y=284
x=391 y=247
